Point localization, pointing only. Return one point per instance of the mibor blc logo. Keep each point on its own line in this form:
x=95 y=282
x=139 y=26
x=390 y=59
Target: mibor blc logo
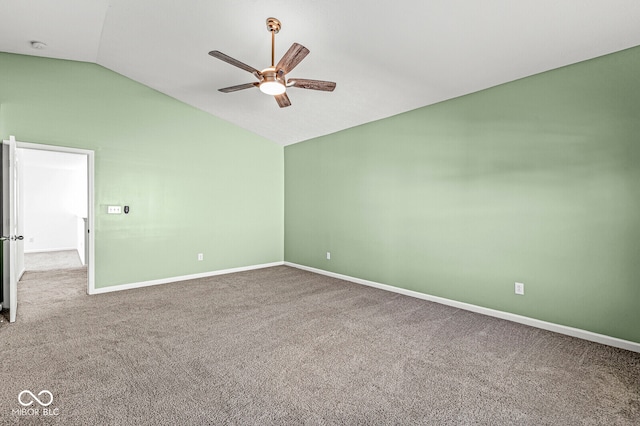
x=30 y=398
x=27 y=399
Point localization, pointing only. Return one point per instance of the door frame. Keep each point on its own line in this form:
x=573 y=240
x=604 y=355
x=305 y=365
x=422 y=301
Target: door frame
x=90 y=154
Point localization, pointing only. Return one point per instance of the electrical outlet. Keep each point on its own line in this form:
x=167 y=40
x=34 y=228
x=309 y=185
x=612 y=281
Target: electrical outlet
x=519 y=288
x=328 y=255
x=200 y=256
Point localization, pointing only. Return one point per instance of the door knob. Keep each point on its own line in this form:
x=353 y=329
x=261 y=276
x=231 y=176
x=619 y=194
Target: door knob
x=12 y=238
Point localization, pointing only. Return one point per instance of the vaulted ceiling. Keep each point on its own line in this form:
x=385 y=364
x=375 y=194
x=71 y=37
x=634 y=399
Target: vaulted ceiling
x=386 y=57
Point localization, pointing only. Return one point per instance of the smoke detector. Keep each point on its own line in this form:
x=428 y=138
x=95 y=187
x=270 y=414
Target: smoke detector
x=38 y=45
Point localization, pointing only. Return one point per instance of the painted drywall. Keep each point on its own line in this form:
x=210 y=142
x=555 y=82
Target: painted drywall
x=194 y=183
x=535 y=181
x=54 y=191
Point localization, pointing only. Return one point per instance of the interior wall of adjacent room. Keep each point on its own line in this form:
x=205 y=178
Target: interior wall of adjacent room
x=55 y=197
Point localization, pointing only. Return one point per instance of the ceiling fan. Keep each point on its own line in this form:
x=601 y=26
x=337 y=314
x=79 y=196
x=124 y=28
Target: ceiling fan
x=272 y=80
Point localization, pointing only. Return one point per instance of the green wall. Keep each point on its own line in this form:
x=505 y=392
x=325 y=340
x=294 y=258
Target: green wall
x=536 y=181
x=195 y=183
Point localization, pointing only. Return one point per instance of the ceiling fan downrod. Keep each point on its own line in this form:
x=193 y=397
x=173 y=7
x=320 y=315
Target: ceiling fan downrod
x=273 y=26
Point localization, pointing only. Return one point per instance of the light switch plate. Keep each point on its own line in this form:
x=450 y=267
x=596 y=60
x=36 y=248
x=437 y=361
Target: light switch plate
x=114 y=209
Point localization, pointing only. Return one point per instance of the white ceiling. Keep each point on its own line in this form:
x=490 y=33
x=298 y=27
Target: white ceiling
x=386 y=57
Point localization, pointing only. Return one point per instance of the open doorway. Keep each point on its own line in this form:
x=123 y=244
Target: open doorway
x=54 y=201
x=13 y=248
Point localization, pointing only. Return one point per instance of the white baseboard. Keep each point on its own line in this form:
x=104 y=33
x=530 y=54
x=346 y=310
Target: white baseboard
x=130 y=286
x=562 y=329
x=50 y=250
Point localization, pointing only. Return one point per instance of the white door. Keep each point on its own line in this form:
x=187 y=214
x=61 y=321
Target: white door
x=12 y=235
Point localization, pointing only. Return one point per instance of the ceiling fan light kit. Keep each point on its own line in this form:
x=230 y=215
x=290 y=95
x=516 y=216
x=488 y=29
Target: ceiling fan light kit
x=272 y=80
x=272 y=83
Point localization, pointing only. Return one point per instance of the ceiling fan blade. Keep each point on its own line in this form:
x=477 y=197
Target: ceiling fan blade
x=228 y=59
x=238 y=87
x=304 y=83
x=283 y=100
x=294 y=55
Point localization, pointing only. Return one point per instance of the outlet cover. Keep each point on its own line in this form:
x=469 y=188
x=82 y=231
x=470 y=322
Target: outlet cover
x=328 y=255
x=519 y=288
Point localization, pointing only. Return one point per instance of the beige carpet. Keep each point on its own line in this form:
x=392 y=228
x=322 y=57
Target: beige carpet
x=50 y=260
x=284 y=346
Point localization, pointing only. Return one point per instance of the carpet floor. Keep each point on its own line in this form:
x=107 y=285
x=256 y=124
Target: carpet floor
x=50 y=260
x=285 y=346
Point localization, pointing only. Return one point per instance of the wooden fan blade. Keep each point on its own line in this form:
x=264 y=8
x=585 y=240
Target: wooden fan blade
x=283 y=100
x=292 y=58
x=228 y=59
x=303 y=83
x=238 y=87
